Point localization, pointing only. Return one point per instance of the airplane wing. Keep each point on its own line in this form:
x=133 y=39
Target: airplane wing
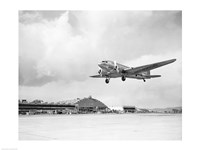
x=97 y=76
x=148 y=67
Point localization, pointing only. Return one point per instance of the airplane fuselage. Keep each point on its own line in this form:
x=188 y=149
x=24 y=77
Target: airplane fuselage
x=112 y=70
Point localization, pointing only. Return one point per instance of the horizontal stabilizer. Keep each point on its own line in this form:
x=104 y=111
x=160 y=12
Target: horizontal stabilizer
x=97 y=76
x=153 y=76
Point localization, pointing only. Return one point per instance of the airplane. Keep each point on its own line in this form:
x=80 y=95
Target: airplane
x=111 y=69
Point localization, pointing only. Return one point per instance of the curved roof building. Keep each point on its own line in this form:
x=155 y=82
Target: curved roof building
x=90 y=104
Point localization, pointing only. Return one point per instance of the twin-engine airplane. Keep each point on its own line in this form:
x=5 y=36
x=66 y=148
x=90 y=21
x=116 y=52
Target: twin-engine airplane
x=112 y=69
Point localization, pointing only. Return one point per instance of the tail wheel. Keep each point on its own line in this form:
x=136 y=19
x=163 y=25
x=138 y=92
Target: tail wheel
x=123 y=78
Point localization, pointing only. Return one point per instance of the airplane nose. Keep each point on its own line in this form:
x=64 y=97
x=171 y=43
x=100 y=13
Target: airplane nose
x=99 y=64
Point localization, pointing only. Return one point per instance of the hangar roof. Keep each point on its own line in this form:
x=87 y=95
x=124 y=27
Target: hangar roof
x=90 y=102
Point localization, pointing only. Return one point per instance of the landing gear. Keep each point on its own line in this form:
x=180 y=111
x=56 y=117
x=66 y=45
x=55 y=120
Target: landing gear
x=123 y=78
x=107 y=80
x=144 y=80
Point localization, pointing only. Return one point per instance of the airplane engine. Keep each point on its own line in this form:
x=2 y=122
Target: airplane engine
x=102 y=72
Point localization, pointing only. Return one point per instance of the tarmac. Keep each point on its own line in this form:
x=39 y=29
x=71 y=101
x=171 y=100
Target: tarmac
x=101 y=127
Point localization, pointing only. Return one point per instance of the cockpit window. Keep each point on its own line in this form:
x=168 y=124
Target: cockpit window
x=105 y=61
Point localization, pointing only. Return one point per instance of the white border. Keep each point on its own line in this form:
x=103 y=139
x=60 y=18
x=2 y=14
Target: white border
x=9 y=72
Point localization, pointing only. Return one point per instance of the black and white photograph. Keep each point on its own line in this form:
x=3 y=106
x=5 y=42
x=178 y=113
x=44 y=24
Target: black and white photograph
x=100 y=75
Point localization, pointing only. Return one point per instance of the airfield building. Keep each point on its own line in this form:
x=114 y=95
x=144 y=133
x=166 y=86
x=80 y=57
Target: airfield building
x=85 y=105
x=89 y=105
x=129 y=109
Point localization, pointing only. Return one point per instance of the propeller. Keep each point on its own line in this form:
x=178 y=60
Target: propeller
x=100 y=71
x=116 y=66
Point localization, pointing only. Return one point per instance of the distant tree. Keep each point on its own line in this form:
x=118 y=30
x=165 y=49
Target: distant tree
x=37 y=101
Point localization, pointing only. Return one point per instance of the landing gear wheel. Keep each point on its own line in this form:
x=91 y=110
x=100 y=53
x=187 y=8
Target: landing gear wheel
x=144 y=80
x=107 y=81
x=123 y=78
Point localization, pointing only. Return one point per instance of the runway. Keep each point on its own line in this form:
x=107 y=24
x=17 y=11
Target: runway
x=101 y=127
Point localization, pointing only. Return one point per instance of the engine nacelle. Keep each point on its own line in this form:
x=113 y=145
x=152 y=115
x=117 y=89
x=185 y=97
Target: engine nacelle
x=102 y=72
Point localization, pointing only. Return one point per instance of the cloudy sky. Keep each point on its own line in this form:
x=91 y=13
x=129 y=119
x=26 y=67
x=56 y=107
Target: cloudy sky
x=59 y=50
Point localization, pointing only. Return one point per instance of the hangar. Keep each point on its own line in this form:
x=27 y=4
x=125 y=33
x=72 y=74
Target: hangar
x=89 y=105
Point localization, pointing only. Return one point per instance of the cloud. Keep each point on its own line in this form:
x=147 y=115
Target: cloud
x=27 y=17
x=50 y=50
x=59 y=51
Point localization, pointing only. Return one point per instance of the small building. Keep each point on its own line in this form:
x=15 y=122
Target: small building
x=129 y=109
x=24 y=101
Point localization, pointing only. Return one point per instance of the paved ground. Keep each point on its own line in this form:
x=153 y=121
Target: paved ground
x=101 y=127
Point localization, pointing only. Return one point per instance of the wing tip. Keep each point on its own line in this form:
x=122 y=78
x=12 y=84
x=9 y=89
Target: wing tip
x=173 y=60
